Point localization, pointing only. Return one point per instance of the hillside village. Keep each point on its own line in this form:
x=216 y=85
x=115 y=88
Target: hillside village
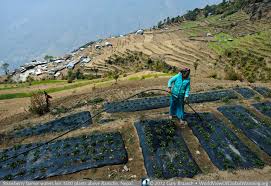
x=105 y=109
x=57 y=67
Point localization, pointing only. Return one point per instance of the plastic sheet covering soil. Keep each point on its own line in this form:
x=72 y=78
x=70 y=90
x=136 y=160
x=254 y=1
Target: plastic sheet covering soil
x=254 y=128
x=247 y=93
x=264 y=91
x=81 y=119
x=163 y=101
x=63 y=157
x=264 y=108
x=165 y=152
x=223 y=147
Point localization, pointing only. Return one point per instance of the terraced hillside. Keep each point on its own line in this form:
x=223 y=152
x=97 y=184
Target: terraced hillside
x=208 y=42
x=170 y=46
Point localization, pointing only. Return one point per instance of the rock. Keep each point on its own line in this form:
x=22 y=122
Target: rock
x=131 y=159
x=198 y=152
x=125 y=168
x=133 y=176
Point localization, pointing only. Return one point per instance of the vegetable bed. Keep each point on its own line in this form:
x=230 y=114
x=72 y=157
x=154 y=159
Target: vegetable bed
x=245 y=92
x=165 y=152
x=254 y=128
x=264 y=91
x=264 y=108
x=163 y=101
x=81 y=119
x=138 y=104
x=224 y=148
x=212 y=96
x=63 y=157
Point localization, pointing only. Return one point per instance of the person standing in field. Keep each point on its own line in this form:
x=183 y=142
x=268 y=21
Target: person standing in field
x=179 y=88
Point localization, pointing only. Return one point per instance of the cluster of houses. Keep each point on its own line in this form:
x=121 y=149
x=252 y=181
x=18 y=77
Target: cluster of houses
x=48 y=69
x=56 y=68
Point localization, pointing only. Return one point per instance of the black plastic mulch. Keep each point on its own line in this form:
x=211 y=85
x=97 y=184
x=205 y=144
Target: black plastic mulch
x=247 y=93
x=264 y=91
x=165 y=152
x=254 y=128
x=163 y=101
x=224 y=148
x=81 y=119
x=63 y=157
x=264 y=108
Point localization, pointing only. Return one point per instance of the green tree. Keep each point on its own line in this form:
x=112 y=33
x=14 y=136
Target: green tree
x=4 y=67
x=116 y=76
x=48 y=58
x=160 y=24
x=29 y=80
x=168 y=20
x=70 y=76
x=96 y=70
x=79 y=74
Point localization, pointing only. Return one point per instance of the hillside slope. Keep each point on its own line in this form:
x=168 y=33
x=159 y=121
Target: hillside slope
x=207 y=41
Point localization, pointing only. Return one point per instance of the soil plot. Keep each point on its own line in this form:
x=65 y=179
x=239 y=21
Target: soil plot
x=224 y=148
x=163 y=101
x=264 y=91
x=82 y=119
x=264 y=108
x=253 y=127
x=165 y=152
x=63 y=157
x=245 y=92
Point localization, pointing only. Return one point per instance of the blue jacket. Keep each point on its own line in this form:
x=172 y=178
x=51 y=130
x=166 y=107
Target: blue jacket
x=180 y=86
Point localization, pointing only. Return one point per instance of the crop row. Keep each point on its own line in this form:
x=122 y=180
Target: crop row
x=255 y=128
x=165 y=152
x=247 y=93
x=264 y=91
x=63 y=157
x=264 y=108
x=163 y=101
x=224 y=148
x=82 y=119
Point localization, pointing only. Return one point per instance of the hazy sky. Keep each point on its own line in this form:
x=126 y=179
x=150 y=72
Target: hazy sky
x=33 y=28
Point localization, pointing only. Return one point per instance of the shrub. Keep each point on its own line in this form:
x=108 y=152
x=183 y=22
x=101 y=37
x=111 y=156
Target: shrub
x=213 y=75
x=251 y=78
x=116 y=76
x=38 y=104
x=196 y=64
x=29 y=80
x=70 y=76
x=70 y=80
x=79 y=74
x=232 y=75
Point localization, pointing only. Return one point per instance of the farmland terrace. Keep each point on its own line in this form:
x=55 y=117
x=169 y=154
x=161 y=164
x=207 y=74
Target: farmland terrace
x=233 y=137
